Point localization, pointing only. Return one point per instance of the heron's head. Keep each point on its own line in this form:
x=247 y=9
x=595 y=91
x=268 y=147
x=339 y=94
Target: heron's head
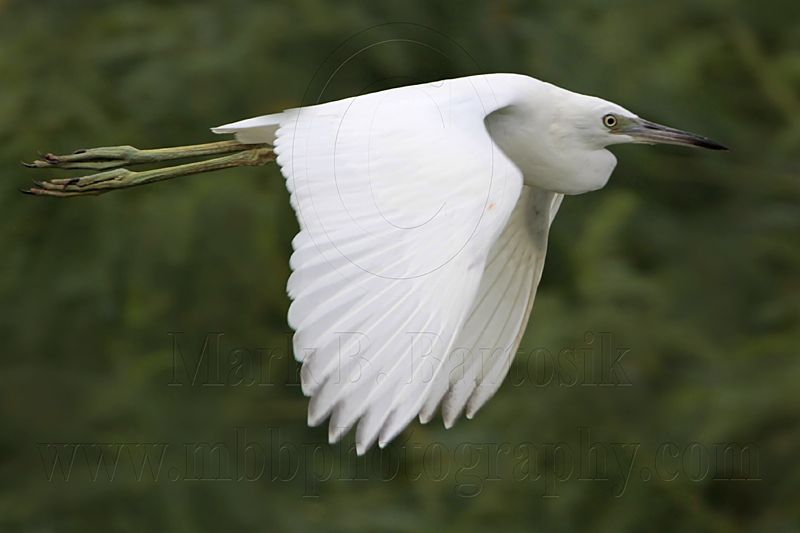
x=603 y=123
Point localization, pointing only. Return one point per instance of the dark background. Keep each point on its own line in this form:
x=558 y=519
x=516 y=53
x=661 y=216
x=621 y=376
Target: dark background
x=686 y=263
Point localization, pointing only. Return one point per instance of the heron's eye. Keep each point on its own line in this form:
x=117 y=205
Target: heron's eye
x=609 y=121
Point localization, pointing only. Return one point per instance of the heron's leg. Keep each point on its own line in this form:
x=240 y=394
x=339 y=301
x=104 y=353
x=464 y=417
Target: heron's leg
x=121 y=178
x=109 y=157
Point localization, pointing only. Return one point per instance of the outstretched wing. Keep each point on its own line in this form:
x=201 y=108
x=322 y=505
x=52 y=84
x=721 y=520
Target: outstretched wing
x=399 y=195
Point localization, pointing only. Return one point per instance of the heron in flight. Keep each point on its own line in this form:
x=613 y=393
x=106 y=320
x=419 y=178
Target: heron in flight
x=424 y=213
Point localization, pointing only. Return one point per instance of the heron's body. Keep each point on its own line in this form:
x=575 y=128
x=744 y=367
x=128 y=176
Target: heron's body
x=424 y=213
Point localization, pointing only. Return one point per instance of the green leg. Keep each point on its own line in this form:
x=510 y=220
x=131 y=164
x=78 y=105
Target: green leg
x=121 y=178
x=109 y=157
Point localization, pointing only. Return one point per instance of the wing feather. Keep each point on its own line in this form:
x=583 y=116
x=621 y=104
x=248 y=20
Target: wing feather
x=400 y=196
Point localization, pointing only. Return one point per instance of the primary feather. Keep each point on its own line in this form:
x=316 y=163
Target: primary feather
x=419 y=252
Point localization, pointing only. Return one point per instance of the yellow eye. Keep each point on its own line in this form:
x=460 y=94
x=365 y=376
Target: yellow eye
x=609 y=121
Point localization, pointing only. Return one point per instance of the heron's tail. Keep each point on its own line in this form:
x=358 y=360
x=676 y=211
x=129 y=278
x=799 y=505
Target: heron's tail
x=256 y=130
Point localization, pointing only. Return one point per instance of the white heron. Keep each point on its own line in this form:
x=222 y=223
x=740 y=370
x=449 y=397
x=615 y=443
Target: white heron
x=424 y=213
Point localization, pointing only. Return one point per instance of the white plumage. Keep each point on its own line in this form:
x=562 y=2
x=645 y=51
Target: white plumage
x=424 y=213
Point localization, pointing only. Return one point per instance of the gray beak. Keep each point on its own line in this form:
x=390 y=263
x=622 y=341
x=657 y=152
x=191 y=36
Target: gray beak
x=646 y=132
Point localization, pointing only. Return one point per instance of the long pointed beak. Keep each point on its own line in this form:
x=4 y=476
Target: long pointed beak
x=644 y=131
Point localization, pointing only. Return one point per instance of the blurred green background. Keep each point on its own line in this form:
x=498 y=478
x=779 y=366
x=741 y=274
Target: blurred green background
x=687 y=262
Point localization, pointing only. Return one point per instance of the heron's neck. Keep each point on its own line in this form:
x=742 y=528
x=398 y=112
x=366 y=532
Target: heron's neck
x=532 y=133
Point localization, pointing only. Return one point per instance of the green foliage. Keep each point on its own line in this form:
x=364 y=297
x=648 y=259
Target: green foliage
x=688 y=259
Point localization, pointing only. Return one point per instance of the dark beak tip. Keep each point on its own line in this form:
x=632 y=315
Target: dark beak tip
x=714 y=145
